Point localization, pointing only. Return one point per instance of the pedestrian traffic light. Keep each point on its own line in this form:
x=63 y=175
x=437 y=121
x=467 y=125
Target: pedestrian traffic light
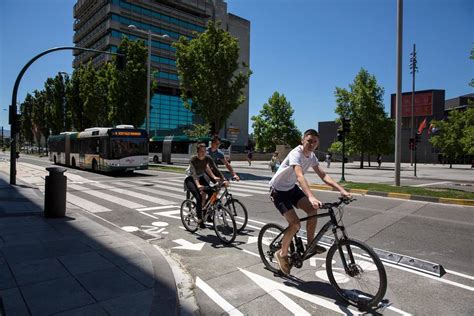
x=411 y=144
x=120 y=60
x=417 y=138
x=340 y=135
x=346 y=125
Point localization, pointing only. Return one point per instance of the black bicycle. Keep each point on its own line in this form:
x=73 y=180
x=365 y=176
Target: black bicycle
x=352 y=267
x=222 y=218
x=237 y=208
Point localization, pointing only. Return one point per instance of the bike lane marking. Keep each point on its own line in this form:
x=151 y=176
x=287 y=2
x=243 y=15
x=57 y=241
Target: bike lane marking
x=219 y=300
x=275 y=289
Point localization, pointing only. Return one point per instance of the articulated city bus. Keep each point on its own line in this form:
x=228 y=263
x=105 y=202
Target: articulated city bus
x=122 y=148
x=182 y=147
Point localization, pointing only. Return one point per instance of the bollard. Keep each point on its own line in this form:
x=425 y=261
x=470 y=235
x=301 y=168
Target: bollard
x=55 y=192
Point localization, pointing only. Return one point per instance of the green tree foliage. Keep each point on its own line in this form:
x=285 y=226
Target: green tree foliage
x=209 y=77
x=129 y=105
x=371 y=130
x=39 y=116
x=26 y=109
x=455 y=135
x=76 y=105
x=56 y=103
x=198 y=130
x=275 y=125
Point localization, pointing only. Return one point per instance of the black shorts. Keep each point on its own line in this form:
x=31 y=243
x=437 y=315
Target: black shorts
x=286 y=200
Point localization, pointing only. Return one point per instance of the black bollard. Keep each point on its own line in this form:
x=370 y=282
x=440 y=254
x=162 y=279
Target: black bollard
x=55 y=192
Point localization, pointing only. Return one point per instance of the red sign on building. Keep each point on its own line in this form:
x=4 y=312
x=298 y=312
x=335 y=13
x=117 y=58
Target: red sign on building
x=423 y=104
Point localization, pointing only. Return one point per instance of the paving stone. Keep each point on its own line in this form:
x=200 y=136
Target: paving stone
x=13 y=303
x=55 y=296
x=85 y=262
x=133 y=304
x=109 y=283
x=35 y=271
x=90 y=310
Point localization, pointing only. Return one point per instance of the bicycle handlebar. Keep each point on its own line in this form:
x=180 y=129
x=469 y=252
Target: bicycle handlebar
x=344 y=200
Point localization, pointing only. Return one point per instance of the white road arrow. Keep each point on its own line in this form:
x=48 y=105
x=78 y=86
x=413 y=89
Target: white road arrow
x=276 y=291
x=187 y=245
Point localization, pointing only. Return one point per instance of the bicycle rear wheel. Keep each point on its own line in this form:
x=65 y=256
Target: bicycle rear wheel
x=239 y=211
x=364 y=281
x=224 y=225
x=269 y=242
x=189 y=216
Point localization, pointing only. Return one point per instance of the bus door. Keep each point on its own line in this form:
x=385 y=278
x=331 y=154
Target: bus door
x=67 y=150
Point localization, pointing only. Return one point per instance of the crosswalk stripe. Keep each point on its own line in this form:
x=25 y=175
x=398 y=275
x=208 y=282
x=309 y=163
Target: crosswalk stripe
x=243 y=184
x=105 y=196
x=86 y=204
x=232 y=191
x=133 y=194
x=155 y=190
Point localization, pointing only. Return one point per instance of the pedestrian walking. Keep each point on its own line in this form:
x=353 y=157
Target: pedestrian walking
x=249 y=157
x=328 y=159
x=275 y=162
x=379 y=160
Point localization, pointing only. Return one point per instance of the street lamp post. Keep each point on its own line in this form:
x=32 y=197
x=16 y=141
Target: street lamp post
x=148 y=72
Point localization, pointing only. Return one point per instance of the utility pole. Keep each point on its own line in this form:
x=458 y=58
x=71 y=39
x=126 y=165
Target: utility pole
x=413 y=70
x=398 y=99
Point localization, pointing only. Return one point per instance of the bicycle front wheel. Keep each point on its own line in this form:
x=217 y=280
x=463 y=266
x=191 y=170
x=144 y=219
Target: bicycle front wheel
x=189 y=215
x=239 y=211
x=269 y=242
x=224 y=225
x=357 y=273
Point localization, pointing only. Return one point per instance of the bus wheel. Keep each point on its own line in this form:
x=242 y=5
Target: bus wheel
x=73 y=162
x=94 y=165
x=156 y=159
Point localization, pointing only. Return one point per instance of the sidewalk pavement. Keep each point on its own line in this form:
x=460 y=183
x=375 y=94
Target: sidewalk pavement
x=76 y=265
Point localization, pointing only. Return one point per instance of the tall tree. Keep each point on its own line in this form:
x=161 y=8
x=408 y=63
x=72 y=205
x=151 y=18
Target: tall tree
x=26 y=109
x=363 y=104
x=74 y=100
x=210 y=80
x=455 y=135
x=87 y=92
x=130 y=105
x=275 y=125
x=41 y=125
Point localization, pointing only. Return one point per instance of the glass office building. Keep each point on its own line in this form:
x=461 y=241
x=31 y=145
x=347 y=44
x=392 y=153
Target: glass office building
x=100 y=24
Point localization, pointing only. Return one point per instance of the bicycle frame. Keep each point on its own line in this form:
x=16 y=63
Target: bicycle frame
x=311 y=248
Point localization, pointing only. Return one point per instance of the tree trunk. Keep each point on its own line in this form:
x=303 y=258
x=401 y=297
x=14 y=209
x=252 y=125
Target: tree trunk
x=361 y=160
x=368 y=159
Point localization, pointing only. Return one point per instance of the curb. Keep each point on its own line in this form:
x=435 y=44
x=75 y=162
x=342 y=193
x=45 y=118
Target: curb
x=403 y=196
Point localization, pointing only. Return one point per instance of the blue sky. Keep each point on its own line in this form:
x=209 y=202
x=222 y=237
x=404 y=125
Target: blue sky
x=301 y=48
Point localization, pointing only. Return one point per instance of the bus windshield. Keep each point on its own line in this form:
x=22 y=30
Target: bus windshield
x=128 y=146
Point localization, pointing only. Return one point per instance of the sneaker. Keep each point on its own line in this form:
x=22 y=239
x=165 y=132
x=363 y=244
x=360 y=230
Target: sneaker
x=283 y=262
x=201 y=224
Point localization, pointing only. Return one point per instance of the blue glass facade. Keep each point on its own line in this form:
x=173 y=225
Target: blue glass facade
x=168 y=116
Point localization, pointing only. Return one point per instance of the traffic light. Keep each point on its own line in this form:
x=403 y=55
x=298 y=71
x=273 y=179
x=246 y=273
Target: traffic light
x=417 y=138
x=120 y=60
x=346 y=125
x=340 y=135
x=411 y=144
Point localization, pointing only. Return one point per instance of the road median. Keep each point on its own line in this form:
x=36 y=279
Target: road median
x=408 y=193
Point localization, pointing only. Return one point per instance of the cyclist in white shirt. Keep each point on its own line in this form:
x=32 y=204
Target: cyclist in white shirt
x=290 y=190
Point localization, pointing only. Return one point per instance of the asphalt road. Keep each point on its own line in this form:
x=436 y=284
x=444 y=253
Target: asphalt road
x=232 y=279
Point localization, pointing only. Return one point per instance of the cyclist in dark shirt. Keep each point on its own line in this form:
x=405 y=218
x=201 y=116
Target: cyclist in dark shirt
x=217 y=156
x=200 y=167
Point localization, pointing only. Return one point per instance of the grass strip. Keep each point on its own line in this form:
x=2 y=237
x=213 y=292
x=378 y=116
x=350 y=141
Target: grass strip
x=432 y=192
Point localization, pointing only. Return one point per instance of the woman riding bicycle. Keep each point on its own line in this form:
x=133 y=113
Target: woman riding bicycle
x=286 y=193
x=200 y=167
